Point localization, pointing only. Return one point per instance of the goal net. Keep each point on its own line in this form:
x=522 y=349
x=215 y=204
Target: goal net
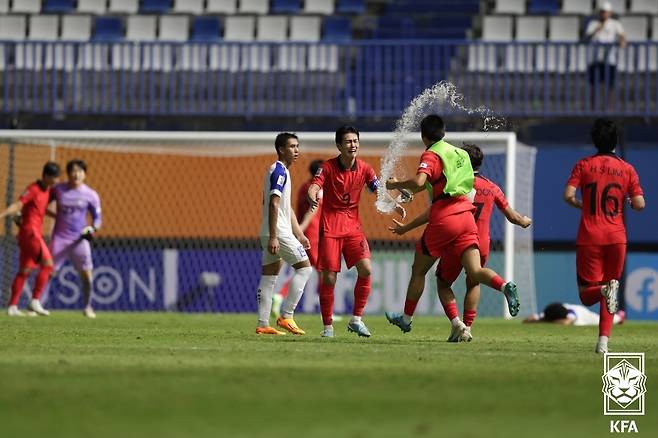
x=181 y=214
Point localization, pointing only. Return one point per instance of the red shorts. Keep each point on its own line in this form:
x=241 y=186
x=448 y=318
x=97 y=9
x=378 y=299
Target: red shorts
x=313 y=252
x=596 y=264
x=353 y=248
x=33 y=250
x=449 y=268
x=449 y=237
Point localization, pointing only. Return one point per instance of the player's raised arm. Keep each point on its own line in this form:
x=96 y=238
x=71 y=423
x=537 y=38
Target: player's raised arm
x=415 y=184
x=12 y=209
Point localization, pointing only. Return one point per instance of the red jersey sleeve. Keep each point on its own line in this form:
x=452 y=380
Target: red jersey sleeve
x=28 y=194
x=500 y=199
x=574 y=179
x=322 y=174
x=634 y=187
x=430 y=164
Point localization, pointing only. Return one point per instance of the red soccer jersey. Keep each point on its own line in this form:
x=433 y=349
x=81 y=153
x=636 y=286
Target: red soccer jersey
x=313 y=229
x=35 y=200
x=604 y=181
x=487 y=193
x=430 y=164
x=342 y=190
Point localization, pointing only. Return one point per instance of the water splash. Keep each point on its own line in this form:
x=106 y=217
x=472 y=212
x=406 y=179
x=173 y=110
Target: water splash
x=432 y=100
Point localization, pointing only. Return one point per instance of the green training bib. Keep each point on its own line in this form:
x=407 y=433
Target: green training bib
x=456 y=168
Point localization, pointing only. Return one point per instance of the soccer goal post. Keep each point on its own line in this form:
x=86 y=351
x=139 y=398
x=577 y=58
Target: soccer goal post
x=182 y=210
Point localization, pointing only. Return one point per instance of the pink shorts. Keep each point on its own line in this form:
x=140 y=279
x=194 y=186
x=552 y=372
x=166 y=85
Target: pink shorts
x=77 y=251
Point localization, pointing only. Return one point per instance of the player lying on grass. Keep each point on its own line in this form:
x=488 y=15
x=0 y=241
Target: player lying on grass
x=451 y=234
x=571 y=314
x=341 y=180
x=487 y=194
x=605 y=182
x=32 y=206
x=72 y=234
x=281 y=238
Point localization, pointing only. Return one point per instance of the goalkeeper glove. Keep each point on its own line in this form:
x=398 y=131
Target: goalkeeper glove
x=88 y=232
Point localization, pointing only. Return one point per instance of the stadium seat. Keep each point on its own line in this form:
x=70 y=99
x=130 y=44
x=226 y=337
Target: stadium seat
x=305 y=29
x=132 y=56
x=26 y=6
x=173 y=28
x=543 y=7
x=92 y=6
x=582 y=7
x=239 y=28
x=497 y=28
x=12 y=27
x=324 y=7
x=286 y=6
x=561 y=58
x=521 y=57
x=337 y=29
x=302 y=29
x=254 y=6
x=394 y=27
x=61 y=6
x=157 y=6
x=351 y=6
x=653 y=50
x=194 y=7
x=108 y=29
x=644 y=7
x=206 y=29
x=484 y=57
x=272 y=28
x=141 y=28
x=234 y=57
x=124 y=6
x=509 y=7
x=41 y=28
x=75 y=28
x=222 y=7
x=618 y=6
x=636 y=29
x=4 y=8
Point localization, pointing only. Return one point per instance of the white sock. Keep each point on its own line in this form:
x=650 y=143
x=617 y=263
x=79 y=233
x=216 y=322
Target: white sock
x=265 y=292
x=407 y=318
x=355 y=318
x=328 y=327
x=455 y=321
x=295 y=291
x=603 y=340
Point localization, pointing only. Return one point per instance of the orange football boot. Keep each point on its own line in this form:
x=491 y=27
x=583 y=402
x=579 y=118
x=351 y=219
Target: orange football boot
x=268 y=331
x=290 y=325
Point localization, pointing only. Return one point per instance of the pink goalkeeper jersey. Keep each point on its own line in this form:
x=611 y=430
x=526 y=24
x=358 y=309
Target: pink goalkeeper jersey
x=72 y=207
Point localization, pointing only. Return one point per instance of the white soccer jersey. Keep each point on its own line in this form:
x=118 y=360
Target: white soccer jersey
x=581 y=315
x=277 y=182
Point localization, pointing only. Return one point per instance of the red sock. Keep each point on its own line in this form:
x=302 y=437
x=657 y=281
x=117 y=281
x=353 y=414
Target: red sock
x=497 y=282
x=17 y=287
x=410 y=307
x=42 y=280
x=361 y=294
x=284 y=290
x=605 y=320
x=590 y=295
x=327 y=303
x=469 y=317
x=451 y=310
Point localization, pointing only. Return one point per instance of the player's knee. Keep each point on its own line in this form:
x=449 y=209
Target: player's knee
x=328 y=277
x=363 y=271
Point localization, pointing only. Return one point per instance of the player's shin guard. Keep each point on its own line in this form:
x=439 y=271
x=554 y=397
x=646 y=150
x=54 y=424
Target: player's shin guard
x=42 y=280
x=606 y=318
x=451 y=310
x=361 y=294
x=17 y=287
x=327 y=303
x=590 y=295
x=295 y=291
x=469 y=317
x=265 y=291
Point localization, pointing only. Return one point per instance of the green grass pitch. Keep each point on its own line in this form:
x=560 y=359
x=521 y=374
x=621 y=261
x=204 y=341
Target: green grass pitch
x=172 y=375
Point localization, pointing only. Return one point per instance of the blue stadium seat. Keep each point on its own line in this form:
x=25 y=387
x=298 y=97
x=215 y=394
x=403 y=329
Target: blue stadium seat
x=337 y=29
x=286 y=6
x=543 y=7
x=108 y=29
x=65 y=6
x=351 y=6
x=156 y=6
x=206 y=29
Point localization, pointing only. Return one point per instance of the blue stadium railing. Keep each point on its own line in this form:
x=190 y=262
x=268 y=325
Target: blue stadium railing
x=357 y=78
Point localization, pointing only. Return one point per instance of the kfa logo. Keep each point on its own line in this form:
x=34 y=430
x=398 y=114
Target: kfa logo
x=624 y=386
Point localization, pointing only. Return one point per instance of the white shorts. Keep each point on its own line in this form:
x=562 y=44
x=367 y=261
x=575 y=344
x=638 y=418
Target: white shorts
x=290 y=250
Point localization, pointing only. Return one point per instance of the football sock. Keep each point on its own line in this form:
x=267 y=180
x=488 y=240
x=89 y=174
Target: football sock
x=605 y=319
x=451 y=310
x=497 y=283
x=361 y=293
x=409 y=309
x=469 y=317
x=265 y=291
x=327 y=303
x=17 y=287
x=354 y=318
x=603 y=341
x=42 y=280
x=295 y=291
x=590 y=295
x=455 y=321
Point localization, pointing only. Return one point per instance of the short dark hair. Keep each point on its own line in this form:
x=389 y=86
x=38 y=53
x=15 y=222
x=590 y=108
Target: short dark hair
x=433 y=128
x=76 y=162
x=555 y=311
x=345 y=129
x=315 y=166
x=50 y=169
x=282 y=140
x=475 y=154
x=604 y=135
